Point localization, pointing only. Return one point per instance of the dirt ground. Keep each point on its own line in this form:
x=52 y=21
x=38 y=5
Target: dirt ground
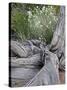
x=62 y=77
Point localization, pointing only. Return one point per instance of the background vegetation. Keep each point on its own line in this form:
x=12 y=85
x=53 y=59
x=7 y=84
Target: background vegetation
x=33 y=21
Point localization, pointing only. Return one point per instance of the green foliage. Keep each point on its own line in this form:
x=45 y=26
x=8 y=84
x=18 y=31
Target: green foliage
x=19 y=23
x=31 y=21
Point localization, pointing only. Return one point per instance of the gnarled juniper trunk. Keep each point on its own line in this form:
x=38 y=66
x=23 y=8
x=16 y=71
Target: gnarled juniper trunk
x=40 y=68
x=33 y=63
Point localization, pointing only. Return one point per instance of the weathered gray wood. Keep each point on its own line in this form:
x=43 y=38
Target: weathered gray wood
x=62 y=64
x=33 y=44
x=48 y=74
x=36 y=42
x=18 y=82
x=28 y=69
x=58 y=41
x=58 y=36
x=19 y=49
x=30 y=61
x=24 y=69
x=23 y=74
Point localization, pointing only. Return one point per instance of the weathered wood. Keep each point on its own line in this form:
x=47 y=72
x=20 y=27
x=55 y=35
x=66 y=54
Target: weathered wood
x=23 y=74
x=62 y=64
x=28 y=69
x=36 y=42
x=48 y=75
x=19 y=49
x=30 y=61
x=58 y=41
x=58 y=36
x=24 y=69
